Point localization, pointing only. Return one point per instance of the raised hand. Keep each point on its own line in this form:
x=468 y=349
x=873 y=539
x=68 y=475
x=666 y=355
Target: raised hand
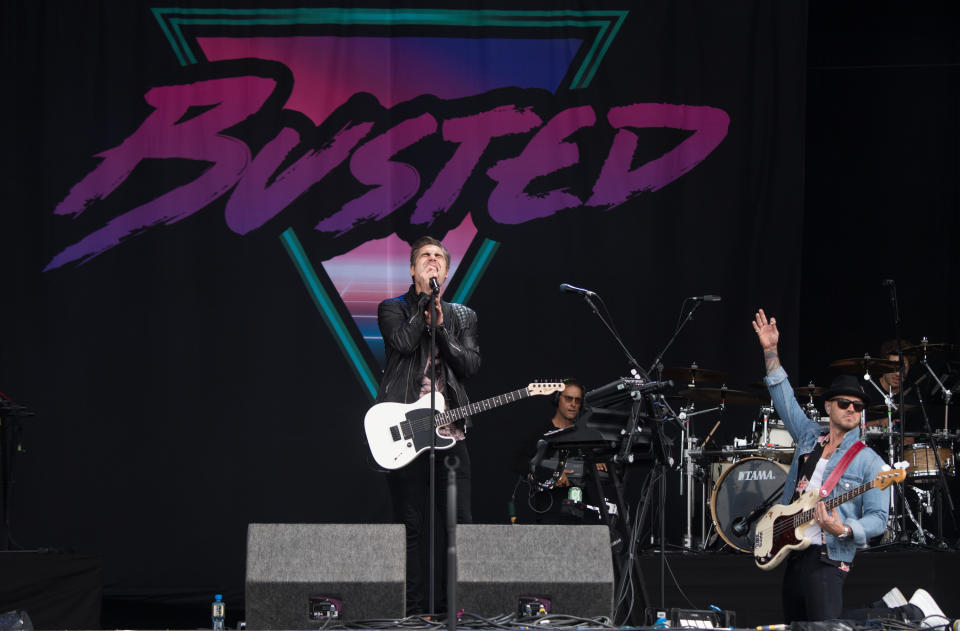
x=766 y=330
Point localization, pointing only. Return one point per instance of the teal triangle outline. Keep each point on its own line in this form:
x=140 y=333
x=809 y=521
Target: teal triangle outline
x=607 y=23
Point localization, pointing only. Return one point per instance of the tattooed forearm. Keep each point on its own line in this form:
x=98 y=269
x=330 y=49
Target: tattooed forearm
x=771 y=359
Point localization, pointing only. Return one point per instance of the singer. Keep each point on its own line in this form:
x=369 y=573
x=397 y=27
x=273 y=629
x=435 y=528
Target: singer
x=405 y=325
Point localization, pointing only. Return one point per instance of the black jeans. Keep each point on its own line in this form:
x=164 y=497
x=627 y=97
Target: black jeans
x=813 y=586
x=409 y=492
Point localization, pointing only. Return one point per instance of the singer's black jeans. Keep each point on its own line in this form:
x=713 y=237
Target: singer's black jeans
x=409 y=491
x=812 y=587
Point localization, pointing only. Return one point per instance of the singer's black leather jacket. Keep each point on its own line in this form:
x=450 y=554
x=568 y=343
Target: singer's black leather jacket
x=407 y=340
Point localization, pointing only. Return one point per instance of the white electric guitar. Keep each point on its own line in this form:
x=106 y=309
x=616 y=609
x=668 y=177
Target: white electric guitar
x=398 y=432
x=780 y=530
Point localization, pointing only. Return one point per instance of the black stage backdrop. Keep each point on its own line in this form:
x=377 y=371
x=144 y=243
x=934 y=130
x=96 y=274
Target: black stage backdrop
x=203 y=204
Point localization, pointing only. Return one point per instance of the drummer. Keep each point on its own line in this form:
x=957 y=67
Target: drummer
x=890 y=383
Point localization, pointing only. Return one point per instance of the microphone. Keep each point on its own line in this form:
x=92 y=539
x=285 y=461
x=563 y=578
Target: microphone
x=707 y=298
x=434 y=286
x=570 y=289
x=888 y=282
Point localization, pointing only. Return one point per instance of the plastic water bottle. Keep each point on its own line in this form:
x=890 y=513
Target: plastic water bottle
x=218 y=611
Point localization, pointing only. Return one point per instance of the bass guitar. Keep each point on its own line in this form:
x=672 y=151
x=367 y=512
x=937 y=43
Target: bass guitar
x=398 y=432
x=780 y=530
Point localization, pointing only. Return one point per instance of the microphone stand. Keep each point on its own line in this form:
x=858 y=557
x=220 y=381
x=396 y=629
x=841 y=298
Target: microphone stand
x=687 y=437
x=895 y=310
x=632 y=562
x=433 y=447
x=630 y=359
x=741 y=525
x=662 y=459
x=656 y=362
x=452 y=462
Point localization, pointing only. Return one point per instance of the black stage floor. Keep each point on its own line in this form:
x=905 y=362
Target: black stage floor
x=729 y=581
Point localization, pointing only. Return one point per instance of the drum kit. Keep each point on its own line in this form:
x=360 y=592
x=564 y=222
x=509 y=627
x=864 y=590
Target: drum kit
x=736 y=483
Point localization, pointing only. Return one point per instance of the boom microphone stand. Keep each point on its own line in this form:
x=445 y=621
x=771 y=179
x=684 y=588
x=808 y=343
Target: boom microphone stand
x=687 y=439
x=662 y=458
x=632 y=563
x=895 y=311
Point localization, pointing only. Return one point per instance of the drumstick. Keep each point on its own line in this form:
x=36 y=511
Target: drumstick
x=707 y=439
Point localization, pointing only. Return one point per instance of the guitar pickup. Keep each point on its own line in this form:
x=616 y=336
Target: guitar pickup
x=395 y=433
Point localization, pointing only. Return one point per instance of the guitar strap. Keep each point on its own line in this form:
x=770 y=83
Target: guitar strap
x=806 y=469
x=840 y=468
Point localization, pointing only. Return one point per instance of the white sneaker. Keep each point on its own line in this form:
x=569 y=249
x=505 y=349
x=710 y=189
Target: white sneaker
x=894 y=598
x=933 y=616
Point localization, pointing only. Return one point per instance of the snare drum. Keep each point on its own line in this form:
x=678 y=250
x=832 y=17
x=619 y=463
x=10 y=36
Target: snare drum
x=923 y=463
x=779 y=443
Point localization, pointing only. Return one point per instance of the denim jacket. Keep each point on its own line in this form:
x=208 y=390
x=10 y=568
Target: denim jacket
x=866 y=514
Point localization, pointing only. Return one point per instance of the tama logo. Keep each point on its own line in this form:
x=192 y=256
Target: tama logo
x=756 y=475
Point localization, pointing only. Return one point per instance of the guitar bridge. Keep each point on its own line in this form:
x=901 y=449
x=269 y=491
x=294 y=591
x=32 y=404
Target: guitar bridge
x=395 y=433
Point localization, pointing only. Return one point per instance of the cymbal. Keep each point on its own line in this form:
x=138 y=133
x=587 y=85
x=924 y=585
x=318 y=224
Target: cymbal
x=856 y=365
x=882 y=407
x=932 y=348
x=809 y=391
x=716 y=395
x=693 y=373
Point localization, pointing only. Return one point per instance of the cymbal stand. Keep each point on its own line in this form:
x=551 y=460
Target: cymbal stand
x=893 y=522
x=947 y=393
x=891 y=286
x=810 y=408
x=925 y=499
x=688 y=442
x=891 y=406
x=941 y=477
x=766 y=411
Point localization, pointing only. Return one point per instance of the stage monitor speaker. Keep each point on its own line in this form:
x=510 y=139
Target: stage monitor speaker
x=571 y=566
x=299 y=575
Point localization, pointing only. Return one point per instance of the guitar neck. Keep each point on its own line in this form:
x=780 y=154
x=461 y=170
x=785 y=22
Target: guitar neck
x=807 y=515
x=445 y=418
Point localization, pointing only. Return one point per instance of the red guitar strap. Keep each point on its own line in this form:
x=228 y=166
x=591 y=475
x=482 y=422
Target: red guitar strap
x=840 y=468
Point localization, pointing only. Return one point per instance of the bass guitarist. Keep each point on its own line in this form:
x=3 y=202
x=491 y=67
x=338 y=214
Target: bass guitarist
x=814 y=577
x=405 y=325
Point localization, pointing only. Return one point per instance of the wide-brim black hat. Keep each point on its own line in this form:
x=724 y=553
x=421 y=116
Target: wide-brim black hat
x=848 y=385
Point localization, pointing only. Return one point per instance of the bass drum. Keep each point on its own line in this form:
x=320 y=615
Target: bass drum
x=742 y=487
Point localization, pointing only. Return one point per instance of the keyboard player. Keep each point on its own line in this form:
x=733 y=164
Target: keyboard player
x=557 y=490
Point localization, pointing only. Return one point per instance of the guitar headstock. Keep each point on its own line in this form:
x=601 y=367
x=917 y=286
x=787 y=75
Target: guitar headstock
x=886 y=478
x=541 y=388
